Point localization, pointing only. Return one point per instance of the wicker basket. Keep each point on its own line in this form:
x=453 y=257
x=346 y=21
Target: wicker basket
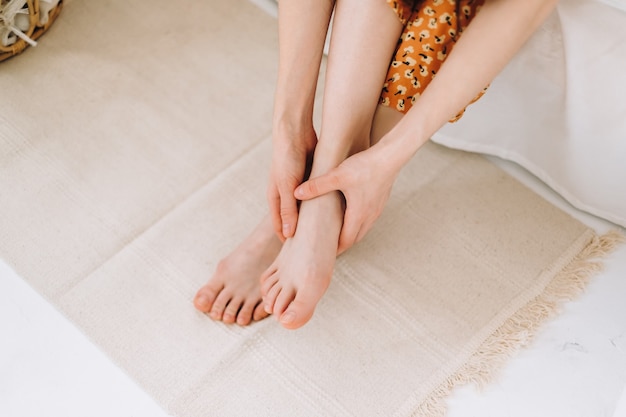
x=24 y=38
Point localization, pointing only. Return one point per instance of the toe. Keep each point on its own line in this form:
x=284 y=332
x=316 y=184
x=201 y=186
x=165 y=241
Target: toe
x=269 y=272
x=203 y=301
x=244 y=317
x=219 y=305
x=259 y=312
x=268 y=284
x=231 y=310
x=270 y=298
x=282 y=301
x=297 y=314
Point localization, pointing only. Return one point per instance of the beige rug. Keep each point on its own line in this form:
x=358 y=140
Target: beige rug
x=134 y=147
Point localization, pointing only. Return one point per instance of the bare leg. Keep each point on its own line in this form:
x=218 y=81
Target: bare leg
x=233 y=293
x=365 y=33
x=385 y=119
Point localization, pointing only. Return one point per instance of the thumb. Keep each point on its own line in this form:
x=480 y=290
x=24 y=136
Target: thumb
x=288 y=215
x=316 y=187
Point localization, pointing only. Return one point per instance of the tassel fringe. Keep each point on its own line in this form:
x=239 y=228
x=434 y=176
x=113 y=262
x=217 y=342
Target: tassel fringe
x=520 y=329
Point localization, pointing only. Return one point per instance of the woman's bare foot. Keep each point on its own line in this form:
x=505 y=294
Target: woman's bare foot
x=233 y=293
x=297 y=279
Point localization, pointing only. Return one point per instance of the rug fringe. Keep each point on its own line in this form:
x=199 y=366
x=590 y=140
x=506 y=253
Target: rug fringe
x=520 y=329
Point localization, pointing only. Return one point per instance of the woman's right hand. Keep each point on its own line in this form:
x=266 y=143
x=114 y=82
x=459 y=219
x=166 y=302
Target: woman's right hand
x=302 y=28
x=292 y=155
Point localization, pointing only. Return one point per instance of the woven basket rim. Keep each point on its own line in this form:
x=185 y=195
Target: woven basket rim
x=34 y=32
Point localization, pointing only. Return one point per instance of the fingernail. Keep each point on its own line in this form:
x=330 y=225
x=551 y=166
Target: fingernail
x=286 y=229
x=268 y=309
x=288 y=317
x=299 y=192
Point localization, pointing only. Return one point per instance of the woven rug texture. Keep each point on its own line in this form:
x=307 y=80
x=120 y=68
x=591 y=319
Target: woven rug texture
x=135 y=144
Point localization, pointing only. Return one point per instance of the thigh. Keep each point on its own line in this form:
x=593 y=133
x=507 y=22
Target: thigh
x=431 y=30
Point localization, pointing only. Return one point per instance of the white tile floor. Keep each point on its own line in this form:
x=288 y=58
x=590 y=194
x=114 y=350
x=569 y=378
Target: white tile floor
x=575 y=368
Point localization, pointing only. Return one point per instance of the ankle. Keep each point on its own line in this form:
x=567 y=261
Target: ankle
x=328 y=208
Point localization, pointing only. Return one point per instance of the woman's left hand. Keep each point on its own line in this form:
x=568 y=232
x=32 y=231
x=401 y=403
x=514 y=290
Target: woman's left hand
x=365 y=179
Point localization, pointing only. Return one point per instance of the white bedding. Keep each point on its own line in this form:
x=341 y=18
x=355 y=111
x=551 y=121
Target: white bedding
x=567 y=85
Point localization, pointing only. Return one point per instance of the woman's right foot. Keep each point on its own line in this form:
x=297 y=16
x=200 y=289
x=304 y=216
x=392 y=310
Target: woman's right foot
x=300 y=275
x=233 y=293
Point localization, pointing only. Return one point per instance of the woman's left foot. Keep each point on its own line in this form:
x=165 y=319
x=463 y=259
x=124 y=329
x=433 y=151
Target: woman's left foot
x=233 y=293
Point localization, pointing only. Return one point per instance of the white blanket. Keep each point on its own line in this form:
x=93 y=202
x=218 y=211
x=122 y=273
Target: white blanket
x=559 y=108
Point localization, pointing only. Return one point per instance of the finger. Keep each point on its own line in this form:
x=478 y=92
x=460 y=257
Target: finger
x=365 y=228
x=349 y=231
x=345 y=243
x=288 y=213
x=318 y=186
x=273 y=200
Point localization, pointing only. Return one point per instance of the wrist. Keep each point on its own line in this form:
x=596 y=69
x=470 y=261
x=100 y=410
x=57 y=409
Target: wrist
x=403 y=141
x=292 y=116
x=292 y=120
x=293 y=132
x=293 y=105
x=397 y=151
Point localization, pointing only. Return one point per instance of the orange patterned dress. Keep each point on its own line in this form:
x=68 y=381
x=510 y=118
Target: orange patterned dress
x=431 y=29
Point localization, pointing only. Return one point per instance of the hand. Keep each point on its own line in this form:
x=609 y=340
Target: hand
x=365 y=179
x=291 y=156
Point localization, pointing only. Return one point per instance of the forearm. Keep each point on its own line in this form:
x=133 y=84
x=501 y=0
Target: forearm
x=302 y=27
x=496 y=33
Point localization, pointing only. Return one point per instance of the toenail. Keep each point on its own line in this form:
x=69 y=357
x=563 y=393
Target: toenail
x=202 y=300
x=288 y=317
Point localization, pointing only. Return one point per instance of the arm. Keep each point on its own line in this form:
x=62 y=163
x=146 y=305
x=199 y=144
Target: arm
x=490 y=41
x=302 y=27
x=496 y=33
